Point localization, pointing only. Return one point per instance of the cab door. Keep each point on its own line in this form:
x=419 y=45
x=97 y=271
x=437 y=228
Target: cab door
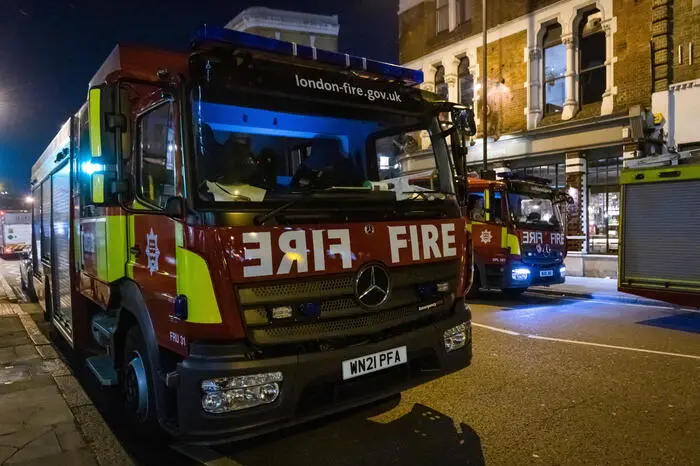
x=153 y=236
x=485 y=209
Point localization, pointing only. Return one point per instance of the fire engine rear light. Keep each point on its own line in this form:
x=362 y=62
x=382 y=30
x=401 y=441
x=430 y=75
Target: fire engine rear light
x=281 y=312
x=520 y=274
x=455 y=337
x=240 y=392
x=209 y=33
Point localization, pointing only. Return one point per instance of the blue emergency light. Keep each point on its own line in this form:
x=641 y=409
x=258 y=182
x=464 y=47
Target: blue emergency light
x=217 y=34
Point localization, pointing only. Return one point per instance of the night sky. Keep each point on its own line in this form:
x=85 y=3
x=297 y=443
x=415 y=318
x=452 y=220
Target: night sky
x=49 y=49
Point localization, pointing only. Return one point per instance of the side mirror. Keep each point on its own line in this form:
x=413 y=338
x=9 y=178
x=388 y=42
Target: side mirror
x=106 y=125
x=175 y=207
x=101 y=188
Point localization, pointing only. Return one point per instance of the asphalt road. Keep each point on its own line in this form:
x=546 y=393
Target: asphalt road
x=554 y=381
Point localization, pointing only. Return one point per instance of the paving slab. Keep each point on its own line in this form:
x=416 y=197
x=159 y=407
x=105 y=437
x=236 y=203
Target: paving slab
x=34 y=407
x=82 y=457
x=6 y=452
x=41 y=447
x=22 y=437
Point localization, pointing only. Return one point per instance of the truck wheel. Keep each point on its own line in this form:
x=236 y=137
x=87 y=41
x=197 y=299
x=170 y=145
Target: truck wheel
x=513 y=292
x=137 y=386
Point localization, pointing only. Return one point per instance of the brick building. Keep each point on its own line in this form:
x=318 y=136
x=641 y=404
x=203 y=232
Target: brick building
x=569 y=83
x=308 y=29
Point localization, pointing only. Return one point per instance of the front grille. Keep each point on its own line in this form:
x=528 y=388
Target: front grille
x=327 y=330
x=337 y=313
x=315 y=288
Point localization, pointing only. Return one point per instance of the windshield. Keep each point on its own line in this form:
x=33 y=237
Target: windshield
x=248 y=154
x=533 y=210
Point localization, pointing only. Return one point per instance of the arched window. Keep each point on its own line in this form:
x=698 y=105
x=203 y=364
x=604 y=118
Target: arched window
x=554 y=67
x=466 y=82
x=591 y=40
x=440 y=84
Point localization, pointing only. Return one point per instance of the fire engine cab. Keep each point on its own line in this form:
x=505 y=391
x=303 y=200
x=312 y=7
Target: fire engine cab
x=517 y=233
x=231 y=236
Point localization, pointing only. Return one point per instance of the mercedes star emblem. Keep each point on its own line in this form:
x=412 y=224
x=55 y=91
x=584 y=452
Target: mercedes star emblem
x=369 y=229
x=372 y=286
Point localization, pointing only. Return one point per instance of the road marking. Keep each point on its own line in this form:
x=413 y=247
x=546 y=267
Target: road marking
x=204 y=455
x=626 y=348
x=495 y=329
x=623 y=303
x=587 y=343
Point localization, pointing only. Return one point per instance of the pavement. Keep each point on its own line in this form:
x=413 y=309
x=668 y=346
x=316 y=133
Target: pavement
x=45 y=416
x=594 y=288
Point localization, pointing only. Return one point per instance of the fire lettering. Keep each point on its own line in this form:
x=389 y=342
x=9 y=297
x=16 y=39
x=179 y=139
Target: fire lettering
x=430 y=237
x=296 y=255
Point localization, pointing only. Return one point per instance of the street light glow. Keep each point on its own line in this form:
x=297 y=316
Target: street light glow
x=29 y=200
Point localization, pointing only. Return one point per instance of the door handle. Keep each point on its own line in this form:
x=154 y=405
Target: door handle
x=135 y=250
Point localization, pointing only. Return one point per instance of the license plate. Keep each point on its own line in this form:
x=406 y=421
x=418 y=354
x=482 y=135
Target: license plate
x=546 y=273
x=374 y=362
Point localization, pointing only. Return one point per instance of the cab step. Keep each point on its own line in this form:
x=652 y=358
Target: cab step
x=101 y=366
x=103 y=326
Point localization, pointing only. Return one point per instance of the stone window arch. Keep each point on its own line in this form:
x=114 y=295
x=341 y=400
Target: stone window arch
x=465 y=82
x=441 y=88
x=553 y=69
x=591 y=42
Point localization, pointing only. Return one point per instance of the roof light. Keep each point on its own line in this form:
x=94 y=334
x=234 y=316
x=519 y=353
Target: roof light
x=208 y=34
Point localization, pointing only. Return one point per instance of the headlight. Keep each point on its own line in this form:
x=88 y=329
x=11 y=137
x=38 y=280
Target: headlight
x=455 y=337
x=240 y=392
x=562 y=271
x=520 y=274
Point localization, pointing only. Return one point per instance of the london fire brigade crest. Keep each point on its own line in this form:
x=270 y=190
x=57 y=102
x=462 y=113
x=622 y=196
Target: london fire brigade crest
x=152 y=251
x=486 y=236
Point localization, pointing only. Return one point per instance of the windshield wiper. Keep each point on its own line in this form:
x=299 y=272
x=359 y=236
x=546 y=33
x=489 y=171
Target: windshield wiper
x=262 y=218
x=425 y=195
x=303 y=195
x=237 y=197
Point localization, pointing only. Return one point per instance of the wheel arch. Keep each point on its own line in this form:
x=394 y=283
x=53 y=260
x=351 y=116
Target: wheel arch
x=132 y=310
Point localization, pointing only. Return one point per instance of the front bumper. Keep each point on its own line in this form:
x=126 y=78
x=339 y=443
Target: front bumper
x=536 y=277
x=313 y=385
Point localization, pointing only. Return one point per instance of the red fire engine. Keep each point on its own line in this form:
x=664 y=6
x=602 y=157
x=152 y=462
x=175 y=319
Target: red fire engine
x=517 y=233
x=217 y=231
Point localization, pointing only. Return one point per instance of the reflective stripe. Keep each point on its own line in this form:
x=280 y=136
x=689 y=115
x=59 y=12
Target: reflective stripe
x=487 y=204
x=94 y=114
x=116 y=250
x=512 y=242
x=194 y=281
x=98 y=188
x=110 y=246
x=660 y=174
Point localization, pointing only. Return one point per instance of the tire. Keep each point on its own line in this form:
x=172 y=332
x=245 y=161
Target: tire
x=513 y=292
x=136 y=386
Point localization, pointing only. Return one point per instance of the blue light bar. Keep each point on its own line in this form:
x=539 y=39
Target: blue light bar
x=218 y=34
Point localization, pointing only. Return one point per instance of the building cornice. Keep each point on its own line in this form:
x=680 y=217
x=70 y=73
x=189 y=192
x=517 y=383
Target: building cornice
x=284 y=20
